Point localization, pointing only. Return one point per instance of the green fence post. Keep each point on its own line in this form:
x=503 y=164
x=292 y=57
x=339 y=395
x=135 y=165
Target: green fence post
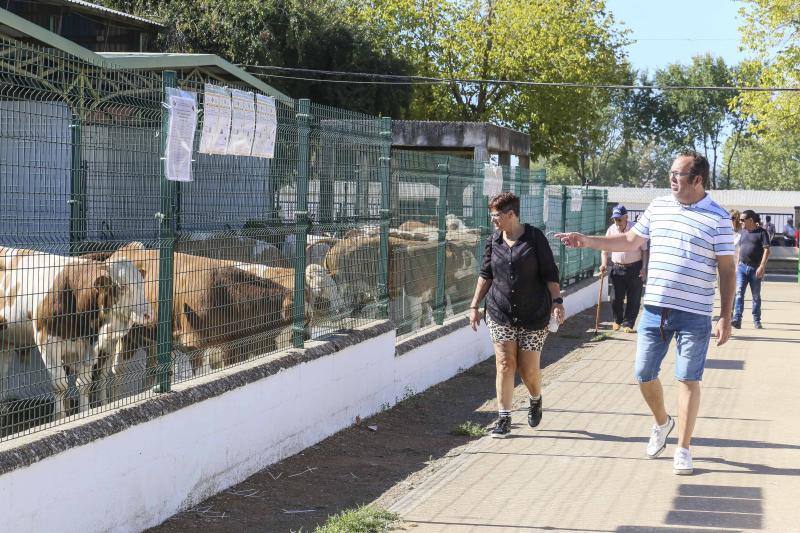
x=301 y=220
x=358 y=213
x=601 y=220
x=585 y=228
x=540 y=176
x=517 y=190
x=77 y=198
x=443 y=169
x=384 y=169
x=562 y=256
x=479 y=212
x=166 y=248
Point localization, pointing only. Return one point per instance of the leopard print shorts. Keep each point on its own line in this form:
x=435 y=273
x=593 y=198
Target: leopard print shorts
x=528 y=340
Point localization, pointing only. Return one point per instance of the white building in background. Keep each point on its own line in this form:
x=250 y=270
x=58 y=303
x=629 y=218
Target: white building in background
x=780 y=205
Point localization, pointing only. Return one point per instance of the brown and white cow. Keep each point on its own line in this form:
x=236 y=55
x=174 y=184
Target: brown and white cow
x=353 y=263
x=68 y=308
x=218 y=311
x=224 y=310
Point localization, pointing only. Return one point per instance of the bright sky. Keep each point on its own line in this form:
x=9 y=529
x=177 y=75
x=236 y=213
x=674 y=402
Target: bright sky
x=672 y=31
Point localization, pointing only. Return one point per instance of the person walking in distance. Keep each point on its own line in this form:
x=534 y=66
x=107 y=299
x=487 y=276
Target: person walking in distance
x=520 y=281
x=753 y=255
x=737 y=233
x=789 y=233
x=690 y=237
x=770 y=227
x=628 y=271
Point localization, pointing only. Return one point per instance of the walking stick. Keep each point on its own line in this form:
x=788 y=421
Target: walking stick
x=599 y=297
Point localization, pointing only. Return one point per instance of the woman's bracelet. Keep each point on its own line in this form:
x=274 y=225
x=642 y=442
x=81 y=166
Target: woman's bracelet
x=472 y=307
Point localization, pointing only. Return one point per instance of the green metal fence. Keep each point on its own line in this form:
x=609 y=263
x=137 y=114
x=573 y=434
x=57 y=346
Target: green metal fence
x=117 y=283
x=575 y=209
x=438 y=229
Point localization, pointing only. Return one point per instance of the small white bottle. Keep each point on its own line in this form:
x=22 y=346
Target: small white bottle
x=553 y=325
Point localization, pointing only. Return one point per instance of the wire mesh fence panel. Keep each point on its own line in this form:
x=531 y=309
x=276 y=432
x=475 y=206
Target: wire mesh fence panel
x=66 y=125
x=574 y=209
x=232 y=282
x=118 y=283
x=465 y=235
x=343 y=244
x=532 y=197
x=415 y=197
x=591 y=204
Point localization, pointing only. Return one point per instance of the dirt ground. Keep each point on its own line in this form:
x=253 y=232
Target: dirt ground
x=359 y=465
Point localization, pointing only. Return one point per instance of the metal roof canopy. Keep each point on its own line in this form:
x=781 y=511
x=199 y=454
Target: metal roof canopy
x=105 y=12
x=207 y=62
x=18 y=27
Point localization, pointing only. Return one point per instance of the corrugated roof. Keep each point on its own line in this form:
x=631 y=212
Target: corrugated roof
x=16 y=26
x=109 y=11
x=164 y=61
x=731 y=199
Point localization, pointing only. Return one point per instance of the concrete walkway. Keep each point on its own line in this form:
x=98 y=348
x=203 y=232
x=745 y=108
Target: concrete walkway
x=585 y=468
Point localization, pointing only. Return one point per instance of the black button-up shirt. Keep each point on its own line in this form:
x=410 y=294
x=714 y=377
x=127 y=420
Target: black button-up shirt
x=519 y=295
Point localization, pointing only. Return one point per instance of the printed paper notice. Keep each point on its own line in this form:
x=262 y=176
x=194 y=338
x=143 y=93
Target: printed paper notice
x=216 y=120
x=182 y=107
x=576 y=199
x=266 y=127
x=492 y=180
x=243 y=123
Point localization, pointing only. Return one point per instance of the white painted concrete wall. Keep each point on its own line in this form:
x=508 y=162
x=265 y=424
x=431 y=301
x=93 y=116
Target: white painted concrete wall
x=139 y=477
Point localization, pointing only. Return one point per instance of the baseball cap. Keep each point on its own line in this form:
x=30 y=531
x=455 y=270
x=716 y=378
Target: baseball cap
x=619 y=211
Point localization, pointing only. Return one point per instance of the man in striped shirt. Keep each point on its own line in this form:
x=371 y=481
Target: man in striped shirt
x=691 y=239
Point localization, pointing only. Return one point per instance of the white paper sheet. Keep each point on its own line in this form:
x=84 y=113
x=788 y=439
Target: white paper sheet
x=243 y=123
x=216 y=120
x=266 y=127
x=182 y=107
x=492 y=180
x=576 y=200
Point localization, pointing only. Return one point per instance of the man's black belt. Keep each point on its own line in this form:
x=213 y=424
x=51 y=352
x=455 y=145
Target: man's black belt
x=626 y=264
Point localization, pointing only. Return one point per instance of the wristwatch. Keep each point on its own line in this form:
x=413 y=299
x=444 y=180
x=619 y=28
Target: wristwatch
x=558 y=300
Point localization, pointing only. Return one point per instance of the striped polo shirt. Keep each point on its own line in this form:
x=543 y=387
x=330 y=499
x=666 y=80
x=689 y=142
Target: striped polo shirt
x=685 y=241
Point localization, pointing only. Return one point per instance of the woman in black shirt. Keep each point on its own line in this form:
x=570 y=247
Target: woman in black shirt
x=521 y=279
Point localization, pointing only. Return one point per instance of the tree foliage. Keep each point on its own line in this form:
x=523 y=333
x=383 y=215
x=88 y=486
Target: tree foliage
x=766 y=162
x=288 y=33
x=772 y=34
x=533 y=40
x=698 y=119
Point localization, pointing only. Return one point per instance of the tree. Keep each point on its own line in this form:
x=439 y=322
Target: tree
x=535 y=40
x=772 y=33
x=629 y=150
x=288 y=33
x=698 y=119
x=766 y=162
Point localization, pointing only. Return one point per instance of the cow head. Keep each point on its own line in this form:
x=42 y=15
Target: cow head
x=322 y=293
x=130 y=298
x=462 y=258
x=70 y=316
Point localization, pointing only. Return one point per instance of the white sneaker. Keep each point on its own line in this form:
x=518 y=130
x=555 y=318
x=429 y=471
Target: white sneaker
x=682 y=465
x=658 y=438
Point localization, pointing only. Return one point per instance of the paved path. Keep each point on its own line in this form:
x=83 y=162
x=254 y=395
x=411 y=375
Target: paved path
x=585 y=469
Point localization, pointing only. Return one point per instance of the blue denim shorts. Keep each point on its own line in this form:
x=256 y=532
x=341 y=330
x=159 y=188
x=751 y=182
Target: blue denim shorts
x=657 y=327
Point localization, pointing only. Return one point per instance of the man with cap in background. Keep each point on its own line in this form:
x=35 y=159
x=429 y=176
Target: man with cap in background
x=628 y=271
